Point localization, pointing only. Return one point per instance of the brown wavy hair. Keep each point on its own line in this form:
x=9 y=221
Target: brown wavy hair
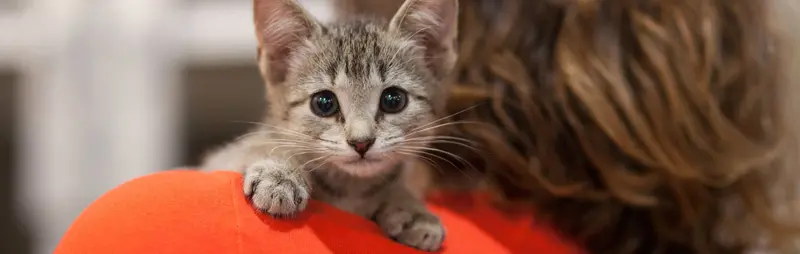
x=632 y=126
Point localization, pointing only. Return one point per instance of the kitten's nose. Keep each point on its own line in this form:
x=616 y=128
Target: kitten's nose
x=361 y=145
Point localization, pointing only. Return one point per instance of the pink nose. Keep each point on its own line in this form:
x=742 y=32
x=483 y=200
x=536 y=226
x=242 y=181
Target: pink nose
x=361 y=146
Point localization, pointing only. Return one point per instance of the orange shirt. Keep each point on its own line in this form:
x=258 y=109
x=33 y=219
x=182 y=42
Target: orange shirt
x=195 y=212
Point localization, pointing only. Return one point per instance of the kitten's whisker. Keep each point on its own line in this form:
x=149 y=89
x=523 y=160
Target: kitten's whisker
x=290 y=150
x=442 y=137
x=424 y=148
x=324 y=160
x=295 y=138
x=430 y=162
x=281 y=144
x=267 y=133
x=247 y=135
x=268 y=142
x=317 y=159
x=301 y=149
x=276 y=127
x=448 y=116
x=282 y=133
x=285 y=146
x=318 y=166
x=459 y=158
x=420 y=154
x=424 y=141
x=282 y=141
x=424 y=159
x=291 y=140
x=452 y=164
x=415 y=131
x=301 y=152
x=325 y=140
x=312 y=149
x=435 y=141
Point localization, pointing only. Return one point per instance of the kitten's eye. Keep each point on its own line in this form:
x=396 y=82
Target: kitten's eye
x=324 y=103
x=393 y=100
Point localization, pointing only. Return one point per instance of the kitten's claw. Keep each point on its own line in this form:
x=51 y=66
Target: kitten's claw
x=275 y=189
x=419 y=229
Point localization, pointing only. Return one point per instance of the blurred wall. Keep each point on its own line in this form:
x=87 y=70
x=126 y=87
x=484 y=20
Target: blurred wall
x=13 y=238
x=110 y=90
x=220 y=103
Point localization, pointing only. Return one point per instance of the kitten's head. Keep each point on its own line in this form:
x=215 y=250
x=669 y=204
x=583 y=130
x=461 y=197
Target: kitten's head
x=359 y=94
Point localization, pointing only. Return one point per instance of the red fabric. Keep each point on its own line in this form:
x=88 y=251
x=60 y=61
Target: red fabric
x=195 y=212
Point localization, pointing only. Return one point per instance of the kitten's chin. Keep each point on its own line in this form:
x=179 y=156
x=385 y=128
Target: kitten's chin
x=365 y=167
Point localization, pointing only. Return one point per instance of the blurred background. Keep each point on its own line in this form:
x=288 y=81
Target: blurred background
x=94 y=93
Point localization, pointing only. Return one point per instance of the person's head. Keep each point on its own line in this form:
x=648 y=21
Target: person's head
x=633 y=126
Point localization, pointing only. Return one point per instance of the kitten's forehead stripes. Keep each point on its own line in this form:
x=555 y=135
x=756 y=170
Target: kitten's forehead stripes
x=359 y=48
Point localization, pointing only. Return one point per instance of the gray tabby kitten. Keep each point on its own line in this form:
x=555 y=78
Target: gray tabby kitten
x=351 y=104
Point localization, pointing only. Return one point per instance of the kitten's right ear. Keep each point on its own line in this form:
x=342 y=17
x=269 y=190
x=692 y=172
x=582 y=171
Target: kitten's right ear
x=433 y=25
x=281 y=26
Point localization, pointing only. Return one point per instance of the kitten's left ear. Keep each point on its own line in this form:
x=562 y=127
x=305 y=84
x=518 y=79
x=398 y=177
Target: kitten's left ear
x=281 y=26
x=433 y=24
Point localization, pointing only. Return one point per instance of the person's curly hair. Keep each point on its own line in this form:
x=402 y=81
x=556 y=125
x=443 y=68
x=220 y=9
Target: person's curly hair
x=632 y=126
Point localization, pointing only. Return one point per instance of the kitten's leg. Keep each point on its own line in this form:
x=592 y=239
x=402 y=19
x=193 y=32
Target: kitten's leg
x=277 y=187
x=406 y=220
x=274 y=185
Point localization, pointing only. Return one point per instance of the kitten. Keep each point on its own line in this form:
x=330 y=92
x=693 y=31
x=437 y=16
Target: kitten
x=350 y=106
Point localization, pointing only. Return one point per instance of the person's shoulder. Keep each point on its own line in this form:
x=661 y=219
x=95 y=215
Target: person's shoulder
x=193 y=206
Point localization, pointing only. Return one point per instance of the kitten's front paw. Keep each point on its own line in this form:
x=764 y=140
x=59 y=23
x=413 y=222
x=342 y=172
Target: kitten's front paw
x=275 y=188
x=413 y=227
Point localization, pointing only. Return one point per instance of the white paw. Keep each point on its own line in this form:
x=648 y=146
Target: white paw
x=276 y=189
x=416 y=228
